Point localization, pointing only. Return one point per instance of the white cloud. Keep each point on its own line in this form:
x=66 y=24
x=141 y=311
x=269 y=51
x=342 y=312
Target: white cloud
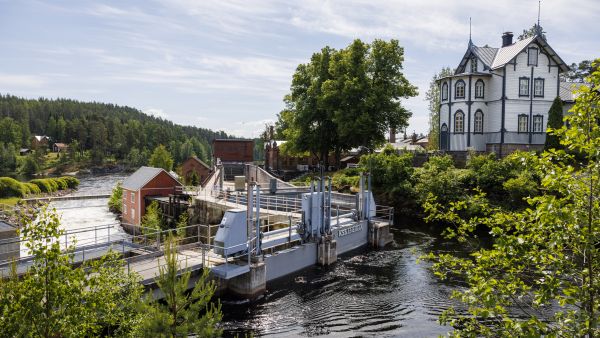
x=156 y=112
x=21 y=81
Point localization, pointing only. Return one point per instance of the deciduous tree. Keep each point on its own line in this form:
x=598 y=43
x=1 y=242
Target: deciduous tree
x=161 y=158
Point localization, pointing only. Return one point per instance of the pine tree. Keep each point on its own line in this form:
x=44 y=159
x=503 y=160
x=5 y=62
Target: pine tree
x=181 y=313
x=555 y=121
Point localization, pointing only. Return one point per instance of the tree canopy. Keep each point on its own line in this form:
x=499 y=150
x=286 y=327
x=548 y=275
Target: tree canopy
x=161 y=158
x=346 y=98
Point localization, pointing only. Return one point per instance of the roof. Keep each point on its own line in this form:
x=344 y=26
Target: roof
x=566 y=90
x=231 y=140
x=40 y=137
x=508 y=53
x=348 y=158
x=195 y=158
x=486 y=54
x=61 y=145
x=142 y=176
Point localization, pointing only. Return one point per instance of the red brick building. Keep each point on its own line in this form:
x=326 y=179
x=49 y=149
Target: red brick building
x=194 y=165
x=233 y=151
x=146 y=181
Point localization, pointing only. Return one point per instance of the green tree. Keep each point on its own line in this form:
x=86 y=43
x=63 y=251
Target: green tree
x=433 y=96
x=344 y=99
x=544 y=257
x=555 y=121
x=578 y=72
x=151 y=220
x=57 y=299
x=161 y=158
x=181 y=313
x=30 y=166
x=8 y=159
x=534 y=30
x=115 y=203
x=11 y=132
x=135 y=159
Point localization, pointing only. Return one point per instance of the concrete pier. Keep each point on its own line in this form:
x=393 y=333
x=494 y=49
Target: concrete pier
x=379 y=234
x=327 y=251
x=252 y=284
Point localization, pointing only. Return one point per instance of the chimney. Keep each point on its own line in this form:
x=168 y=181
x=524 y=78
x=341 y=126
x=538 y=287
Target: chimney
x=392 y=135
x=507 y=39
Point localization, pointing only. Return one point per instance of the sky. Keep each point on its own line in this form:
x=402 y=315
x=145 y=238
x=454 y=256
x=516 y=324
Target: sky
x=226 y=65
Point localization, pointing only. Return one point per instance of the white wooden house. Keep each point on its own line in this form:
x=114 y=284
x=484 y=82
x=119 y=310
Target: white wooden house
x=498 y=98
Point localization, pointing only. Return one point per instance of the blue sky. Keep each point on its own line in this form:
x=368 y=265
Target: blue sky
x=226 y=65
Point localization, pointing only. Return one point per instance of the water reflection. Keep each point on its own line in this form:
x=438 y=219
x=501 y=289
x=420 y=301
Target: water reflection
x=366 y=293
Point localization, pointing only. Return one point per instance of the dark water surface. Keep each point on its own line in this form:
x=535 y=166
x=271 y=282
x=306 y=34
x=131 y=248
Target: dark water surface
x=367 y=292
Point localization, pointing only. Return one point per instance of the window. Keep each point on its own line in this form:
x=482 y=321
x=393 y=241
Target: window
x=532 y=56
x=474 y=65
x=523 y=123
x=538 y=124
x=523 y=86
x=478 y=124
x=132 y=212
x=459 y=122
x=125 y=211
x=479 y=89
x=444 y=91
x=459 y=89
x=538 y=87
x=132 y=197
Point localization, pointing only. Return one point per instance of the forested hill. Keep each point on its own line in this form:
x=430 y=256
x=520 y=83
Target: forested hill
x=103 y=130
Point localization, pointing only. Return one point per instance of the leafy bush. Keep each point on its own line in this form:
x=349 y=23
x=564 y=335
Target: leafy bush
x=61 y=182
x=440 y=178
x=390 y=169
x=9 y=187
x=33 y=189
x=115 y=203
x=45 y=185
x=72 y=182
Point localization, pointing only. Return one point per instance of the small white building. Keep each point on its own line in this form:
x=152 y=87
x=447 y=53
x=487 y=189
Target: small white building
x=498 y=98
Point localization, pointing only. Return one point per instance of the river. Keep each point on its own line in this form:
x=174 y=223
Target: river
x=365 y=293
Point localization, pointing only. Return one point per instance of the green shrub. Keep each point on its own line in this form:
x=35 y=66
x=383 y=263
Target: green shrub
x=72 y=182
x=115 y=203
x=33 y=189
x=45 y=185
x=9 y=187
x=61 y=182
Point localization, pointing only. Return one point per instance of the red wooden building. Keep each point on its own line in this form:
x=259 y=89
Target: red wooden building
x=195 y=165
x=233 y=150
x=145 y=182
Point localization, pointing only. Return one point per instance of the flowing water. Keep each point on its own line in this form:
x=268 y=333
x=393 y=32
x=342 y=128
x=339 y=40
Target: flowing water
x=365 y=293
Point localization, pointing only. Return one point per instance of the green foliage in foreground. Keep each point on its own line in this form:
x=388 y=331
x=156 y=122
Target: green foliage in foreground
x=115 y=202
x=545 y=258
x=181 y=312
x=56 y=299
x=59 y=300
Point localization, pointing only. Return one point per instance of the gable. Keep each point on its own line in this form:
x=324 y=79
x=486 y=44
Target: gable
x=507 y=54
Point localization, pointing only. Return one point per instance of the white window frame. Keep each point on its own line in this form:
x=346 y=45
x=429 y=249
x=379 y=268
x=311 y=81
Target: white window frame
x=459 y=122
x=462 y=87
x=479 y=87
x=523 y=86
x=522 y=128
x=445 y=91
x=132 y=197
x=538 y=87
x=478 y=123
x=538 y=123
x=473 y=65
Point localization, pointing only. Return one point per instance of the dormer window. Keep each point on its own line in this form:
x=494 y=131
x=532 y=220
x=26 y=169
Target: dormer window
x=459 y=89
x=532 y=56
x=444 y=91
x=474 y=65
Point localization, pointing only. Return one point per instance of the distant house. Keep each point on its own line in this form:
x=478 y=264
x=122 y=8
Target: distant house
x=145 y=182
x=24 y=151
x=350 y=161
x=60 y=147
x=233 y=150
x=195 y=165
x=40 y=141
